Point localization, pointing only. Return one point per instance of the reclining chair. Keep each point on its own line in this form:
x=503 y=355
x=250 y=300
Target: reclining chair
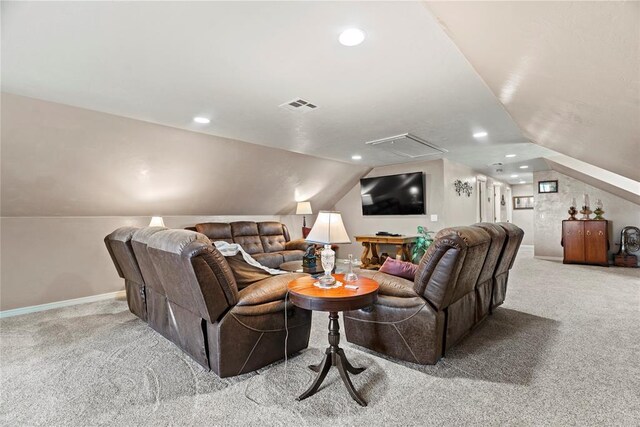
x=222 y=328
x=485 y=285
x=156 y=298
x=501 y=275
x=119 y=246
x=416 y=321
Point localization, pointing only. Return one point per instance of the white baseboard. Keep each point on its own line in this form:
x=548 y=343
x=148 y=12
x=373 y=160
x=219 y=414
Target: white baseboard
x=527 y=246
x=59 y=304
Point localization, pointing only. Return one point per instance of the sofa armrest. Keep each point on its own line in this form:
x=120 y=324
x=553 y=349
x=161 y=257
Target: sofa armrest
x=298 y=244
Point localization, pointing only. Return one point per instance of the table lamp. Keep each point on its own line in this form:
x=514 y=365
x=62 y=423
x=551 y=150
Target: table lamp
x=328 y=229
x=156 y=221
x=304 y=208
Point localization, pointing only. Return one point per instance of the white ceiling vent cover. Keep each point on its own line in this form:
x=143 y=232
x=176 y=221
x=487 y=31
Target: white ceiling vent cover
x=407 y=145
x=298 y=105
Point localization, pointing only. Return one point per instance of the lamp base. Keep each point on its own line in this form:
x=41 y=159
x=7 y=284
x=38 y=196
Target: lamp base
x=327 y=280
x=337 y=284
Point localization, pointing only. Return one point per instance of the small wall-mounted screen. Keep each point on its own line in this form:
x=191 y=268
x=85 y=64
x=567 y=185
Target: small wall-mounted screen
x=393 y=194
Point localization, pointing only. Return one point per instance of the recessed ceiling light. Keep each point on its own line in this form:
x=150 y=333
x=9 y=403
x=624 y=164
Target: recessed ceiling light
x=510 y=155
x=480 y=134
x=524 y=167
x=201 y=120
x=351 y=37
x=356 y=157
x=514 y=176
x=523 y=182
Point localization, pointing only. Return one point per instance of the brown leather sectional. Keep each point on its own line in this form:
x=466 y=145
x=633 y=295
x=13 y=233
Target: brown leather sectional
x=178 y=282
x=462 y=278
x=267 y=242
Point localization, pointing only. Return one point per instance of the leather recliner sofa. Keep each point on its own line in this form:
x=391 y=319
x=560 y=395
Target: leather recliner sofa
x=194 y=301
x=461 y=272
x=267 y=242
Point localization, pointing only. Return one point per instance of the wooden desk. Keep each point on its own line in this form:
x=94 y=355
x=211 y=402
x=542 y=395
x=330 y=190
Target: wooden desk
x=371 y=245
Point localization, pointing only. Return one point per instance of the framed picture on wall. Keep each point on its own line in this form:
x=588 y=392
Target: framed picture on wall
x=548 y=186
x=523 y=202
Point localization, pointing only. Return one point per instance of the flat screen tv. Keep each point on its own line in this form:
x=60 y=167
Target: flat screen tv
x=393 y=194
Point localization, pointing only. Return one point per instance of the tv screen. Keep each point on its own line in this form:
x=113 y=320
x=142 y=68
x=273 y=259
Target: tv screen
x=393 y=194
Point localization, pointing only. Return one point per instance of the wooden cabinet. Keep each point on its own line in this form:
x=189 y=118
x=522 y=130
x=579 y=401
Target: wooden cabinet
x=585 y=242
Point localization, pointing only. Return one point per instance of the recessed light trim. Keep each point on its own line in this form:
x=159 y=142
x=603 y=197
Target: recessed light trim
x=481 y=134
x=523 y=182
x=202 y=120
x=514 y=176
x=510 y=155
x=356 y=157
x=351 y=37
x=524 y=167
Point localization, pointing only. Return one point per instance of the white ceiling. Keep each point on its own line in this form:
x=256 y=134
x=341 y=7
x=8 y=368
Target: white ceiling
x=567 y=72
x=167 y=62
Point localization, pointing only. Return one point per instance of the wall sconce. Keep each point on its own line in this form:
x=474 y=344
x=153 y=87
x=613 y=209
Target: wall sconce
x=463 y=187
x=502 y=202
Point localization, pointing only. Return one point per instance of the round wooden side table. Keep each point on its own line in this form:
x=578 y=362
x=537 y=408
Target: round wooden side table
x=304 y=294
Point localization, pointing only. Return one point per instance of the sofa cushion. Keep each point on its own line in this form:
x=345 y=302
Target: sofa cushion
x=272 y=260
x=273 y=243
x=406 y=270
x=271 y=289
x=245 y=273
x=215 y=231
x=292 y=255
x=391 y=285
x=251 y=244
x=244 y=228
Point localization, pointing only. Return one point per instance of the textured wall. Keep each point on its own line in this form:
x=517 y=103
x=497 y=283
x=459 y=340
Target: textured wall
x=58 y=258
x=551 y=209
x=64 y=161
x=70 y=176
x=523 y=218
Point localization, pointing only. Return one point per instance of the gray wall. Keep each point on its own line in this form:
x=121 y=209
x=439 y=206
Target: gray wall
x=70 y=176
x=523 y=218
x=442 y=200
x=551 y=209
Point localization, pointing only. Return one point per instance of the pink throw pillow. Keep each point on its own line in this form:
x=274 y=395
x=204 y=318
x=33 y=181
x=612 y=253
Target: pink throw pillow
x=406 y=270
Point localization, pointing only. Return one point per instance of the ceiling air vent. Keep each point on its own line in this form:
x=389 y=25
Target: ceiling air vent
x=407 y=145
x=298 y=105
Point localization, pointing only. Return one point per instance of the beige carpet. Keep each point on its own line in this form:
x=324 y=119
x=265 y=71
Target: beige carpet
x=563 y=350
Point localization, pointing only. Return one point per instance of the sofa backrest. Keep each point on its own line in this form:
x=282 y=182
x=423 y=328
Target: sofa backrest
x=119 y=246
x=194 y=274
x=498 y=240
x=439 y=268
x=139 y=242
x=254 y=237
x=273 y=236
x=215 y=231
x=451 y=266
x=514 y=238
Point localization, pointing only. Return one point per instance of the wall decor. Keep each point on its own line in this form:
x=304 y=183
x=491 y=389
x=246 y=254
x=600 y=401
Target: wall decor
x=548 y=186
x=463 y=187
x=523 y=202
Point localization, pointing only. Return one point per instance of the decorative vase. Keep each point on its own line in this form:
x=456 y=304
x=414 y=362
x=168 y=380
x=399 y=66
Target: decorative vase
x=351 y=276
x=599 y=210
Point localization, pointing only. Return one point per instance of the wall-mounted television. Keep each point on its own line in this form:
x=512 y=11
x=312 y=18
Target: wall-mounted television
x=401 y=194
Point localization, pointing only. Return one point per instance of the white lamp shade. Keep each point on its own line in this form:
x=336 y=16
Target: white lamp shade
x=156 y=221
x=328 y=229
x=303 y=208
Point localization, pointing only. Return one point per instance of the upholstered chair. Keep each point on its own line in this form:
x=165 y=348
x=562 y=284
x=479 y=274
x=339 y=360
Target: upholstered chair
x=228 y=330
x=484 y=288
x=156 y=298
x=417 y=320
x=501 y=276
x=119 y=246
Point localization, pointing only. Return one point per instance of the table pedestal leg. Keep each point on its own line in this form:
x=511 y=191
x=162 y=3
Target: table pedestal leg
x=364 y=259
x=334 y=356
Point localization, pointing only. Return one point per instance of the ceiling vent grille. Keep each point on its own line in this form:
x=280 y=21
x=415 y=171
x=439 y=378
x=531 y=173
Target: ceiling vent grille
x=298 y=105
x=408 y=146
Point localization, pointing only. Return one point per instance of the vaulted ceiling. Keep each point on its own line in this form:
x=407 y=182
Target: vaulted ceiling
x=236 y=62
x=539 y=77
x=567 y=72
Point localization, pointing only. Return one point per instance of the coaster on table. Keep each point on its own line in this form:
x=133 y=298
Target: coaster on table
x=335 y=285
